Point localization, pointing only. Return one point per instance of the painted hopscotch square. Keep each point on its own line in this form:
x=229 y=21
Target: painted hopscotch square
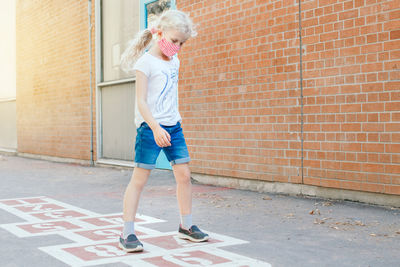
x=90 y=254
x=97 y=251
x=48 y=227
x=196 y=257
x=23 y=201
x=56 y=215
x=116 y=219
x=172 y=241
x=111 y=233
x=39 y=208
x=199 y=257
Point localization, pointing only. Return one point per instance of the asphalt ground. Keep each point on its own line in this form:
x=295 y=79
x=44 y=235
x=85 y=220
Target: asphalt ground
x=280 y=230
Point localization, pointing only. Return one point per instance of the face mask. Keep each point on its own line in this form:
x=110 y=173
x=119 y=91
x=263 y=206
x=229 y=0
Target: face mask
x=169 y=49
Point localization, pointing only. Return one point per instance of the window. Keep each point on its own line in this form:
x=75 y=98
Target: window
x=153 y=8
x=120 y=23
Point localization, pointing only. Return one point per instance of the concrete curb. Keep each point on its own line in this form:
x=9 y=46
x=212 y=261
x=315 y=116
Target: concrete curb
x=53 y=159
x=252 y=185
x=299 y=190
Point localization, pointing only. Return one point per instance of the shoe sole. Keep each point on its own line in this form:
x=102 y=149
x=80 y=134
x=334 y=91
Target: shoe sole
x=137 y=249
x=183 y=236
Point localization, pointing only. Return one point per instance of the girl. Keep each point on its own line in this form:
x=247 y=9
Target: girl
x=158 y=120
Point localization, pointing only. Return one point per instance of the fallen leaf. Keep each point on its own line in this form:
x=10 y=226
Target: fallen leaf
x=398 y=232
x=327 y=203
x=267 y=198
x=372 y=234
x=315 y=211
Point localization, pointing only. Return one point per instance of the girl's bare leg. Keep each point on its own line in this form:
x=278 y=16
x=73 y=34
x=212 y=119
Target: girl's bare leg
x=132 y=193
x=183 y=188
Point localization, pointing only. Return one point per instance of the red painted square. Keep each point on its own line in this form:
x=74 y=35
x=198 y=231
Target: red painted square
x=10 y=202
x=60 y=214
x=14 y=202
x=97 y=252
x=46 y=227
x=112 y=233
x=173 y=242
x=196 y=258
x=107 y=220
x=34 y=200
x=39 y=207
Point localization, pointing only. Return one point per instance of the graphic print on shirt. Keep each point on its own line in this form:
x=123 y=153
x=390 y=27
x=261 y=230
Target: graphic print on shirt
x=166 y=101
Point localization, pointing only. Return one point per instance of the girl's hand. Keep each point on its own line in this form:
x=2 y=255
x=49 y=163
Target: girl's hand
x=161 y=136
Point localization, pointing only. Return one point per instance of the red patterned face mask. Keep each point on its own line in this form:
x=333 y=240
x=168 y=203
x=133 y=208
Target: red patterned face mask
x=169 y=49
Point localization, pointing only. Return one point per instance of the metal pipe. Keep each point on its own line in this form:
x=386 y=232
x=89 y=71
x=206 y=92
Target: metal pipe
x=91 y=77
x=301 y=97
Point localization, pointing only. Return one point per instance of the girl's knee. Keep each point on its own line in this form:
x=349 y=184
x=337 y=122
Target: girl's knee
x=182 y=173
x=138 y=183
x=139 y=177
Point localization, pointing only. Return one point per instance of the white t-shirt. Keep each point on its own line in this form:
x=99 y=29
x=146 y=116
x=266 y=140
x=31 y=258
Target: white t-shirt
x=162 y=89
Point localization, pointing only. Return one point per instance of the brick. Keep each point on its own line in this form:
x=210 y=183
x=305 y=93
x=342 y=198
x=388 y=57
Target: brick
x=379 y=188
x=392 y=189
x=373 y=147
x=392 y=148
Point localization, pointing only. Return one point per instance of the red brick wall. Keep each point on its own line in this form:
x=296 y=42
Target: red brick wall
x=240 y=92
x=352 y=94
x=53 y=103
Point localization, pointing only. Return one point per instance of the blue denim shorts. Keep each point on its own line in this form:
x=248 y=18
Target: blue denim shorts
x=147 y=150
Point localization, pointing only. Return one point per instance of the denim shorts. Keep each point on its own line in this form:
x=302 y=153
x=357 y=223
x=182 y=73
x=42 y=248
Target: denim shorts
x=147 y=150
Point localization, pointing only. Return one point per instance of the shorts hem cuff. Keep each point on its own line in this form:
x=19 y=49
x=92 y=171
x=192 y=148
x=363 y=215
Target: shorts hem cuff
x=144 y=165
x=180 y=161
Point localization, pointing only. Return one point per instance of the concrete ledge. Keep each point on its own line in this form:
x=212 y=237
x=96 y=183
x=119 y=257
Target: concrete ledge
x=299 y=190
x=114 y=163
x=54 y=159
x=8 y=151
x=245 y=184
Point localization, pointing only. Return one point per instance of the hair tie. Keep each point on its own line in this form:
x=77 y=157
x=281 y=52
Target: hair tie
x=153 y=30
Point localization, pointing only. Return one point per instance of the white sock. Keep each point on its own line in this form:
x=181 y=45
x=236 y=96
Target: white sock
x=186 y=221
x=129 y=228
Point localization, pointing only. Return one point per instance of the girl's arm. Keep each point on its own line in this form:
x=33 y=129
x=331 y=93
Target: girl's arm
x=161 y=136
